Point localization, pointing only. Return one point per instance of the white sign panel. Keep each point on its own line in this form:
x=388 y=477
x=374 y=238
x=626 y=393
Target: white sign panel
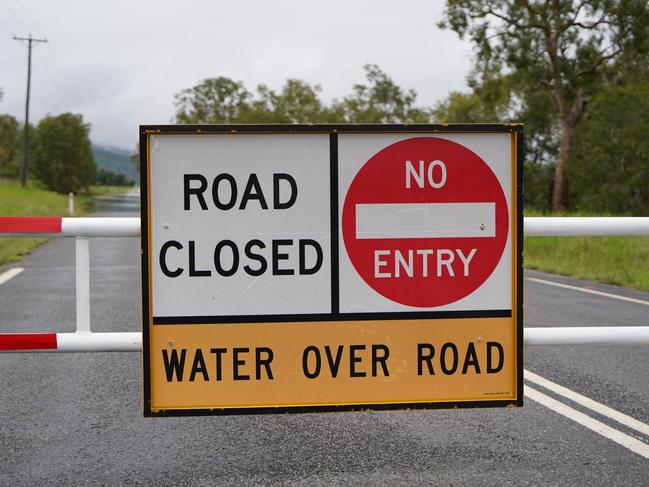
x=317 y=268
x=248 y=221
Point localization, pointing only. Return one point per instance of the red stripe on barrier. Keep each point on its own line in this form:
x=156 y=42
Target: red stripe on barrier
x=30 y=224
x=28 y=341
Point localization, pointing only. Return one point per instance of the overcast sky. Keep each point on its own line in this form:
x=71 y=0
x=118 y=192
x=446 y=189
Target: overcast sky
x=120 y=63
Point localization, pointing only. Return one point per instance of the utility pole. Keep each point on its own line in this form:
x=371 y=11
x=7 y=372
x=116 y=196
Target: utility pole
x=25 y=165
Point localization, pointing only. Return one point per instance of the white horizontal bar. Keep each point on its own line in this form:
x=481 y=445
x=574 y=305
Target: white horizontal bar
x=86 y=227
x=425 y=220
x=99 y=342
x=588 y=335
x=534 y=226
x=586 y=226
x=82 y=341
x=100 y=227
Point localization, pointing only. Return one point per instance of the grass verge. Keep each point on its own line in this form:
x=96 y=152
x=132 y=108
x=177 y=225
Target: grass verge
x=613 y=260
x=32 y=201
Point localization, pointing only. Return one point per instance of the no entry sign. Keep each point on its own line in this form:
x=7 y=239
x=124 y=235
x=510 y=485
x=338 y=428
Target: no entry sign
x=316 y=268
x=425 y=222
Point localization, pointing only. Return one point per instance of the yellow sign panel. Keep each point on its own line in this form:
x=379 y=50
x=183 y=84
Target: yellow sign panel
x=328 y=268
x=359 y=363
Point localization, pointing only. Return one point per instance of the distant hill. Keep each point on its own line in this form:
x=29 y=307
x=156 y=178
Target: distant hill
x=116 y=160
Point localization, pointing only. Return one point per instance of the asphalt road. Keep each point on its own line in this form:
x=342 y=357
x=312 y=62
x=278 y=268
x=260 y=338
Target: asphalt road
x=76 y=419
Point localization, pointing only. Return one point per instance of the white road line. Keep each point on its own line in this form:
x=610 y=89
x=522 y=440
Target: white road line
x=589 y=403
x=592 y=424
x=11 y=273
x=589 y=291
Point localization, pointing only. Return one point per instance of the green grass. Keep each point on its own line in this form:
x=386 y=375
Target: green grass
x=612 y=260
x=31 y=201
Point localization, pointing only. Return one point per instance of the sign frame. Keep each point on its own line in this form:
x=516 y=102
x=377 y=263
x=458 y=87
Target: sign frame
x=333 y=130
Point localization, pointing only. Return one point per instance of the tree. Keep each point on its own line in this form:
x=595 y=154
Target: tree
x=222 y=100
x=62 y=158
x=10 y=144
x=214 y=100
x=105 y=177
x=502 y=99
x=564 y=48
x=610 y=168
x=380 y=101
x=488 y=101
x=298 y=102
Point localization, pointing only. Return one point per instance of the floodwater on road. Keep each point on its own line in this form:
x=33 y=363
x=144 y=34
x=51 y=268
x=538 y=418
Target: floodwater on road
x=125 y=204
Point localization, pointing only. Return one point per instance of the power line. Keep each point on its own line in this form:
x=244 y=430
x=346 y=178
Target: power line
x=25 y=165
x=56 y=82
x=59 y=72
x=15 y=16
x=52 y=65
x=7 y=27
x=53 y=95
x=29 y=17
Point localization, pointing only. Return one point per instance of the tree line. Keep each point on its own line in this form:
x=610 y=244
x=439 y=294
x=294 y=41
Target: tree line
x=222 y=100
x=60 y=153
x=575 y=72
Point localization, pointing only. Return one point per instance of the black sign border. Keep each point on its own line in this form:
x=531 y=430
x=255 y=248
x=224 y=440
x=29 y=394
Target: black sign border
x=333 y=130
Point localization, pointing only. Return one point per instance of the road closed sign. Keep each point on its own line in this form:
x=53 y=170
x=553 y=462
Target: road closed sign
x=327 y=268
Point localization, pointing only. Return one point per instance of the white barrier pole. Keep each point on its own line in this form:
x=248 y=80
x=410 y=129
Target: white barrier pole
x=85 y=341
x=586 y=226
x=28 y=227
x=82 y=252
x=99 y=342
x=100 y=227
x=587 y=335
x=71 y=204
x=534 y=226
x=132 y=341
x=71 y=342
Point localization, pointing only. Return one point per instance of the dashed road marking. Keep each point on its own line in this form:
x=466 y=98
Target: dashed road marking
x=11 y=273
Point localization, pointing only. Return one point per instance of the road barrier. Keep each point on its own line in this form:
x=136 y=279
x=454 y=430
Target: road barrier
x=84 y=340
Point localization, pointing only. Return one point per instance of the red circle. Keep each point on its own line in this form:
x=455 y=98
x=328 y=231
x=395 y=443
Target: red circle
x=382 y=179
